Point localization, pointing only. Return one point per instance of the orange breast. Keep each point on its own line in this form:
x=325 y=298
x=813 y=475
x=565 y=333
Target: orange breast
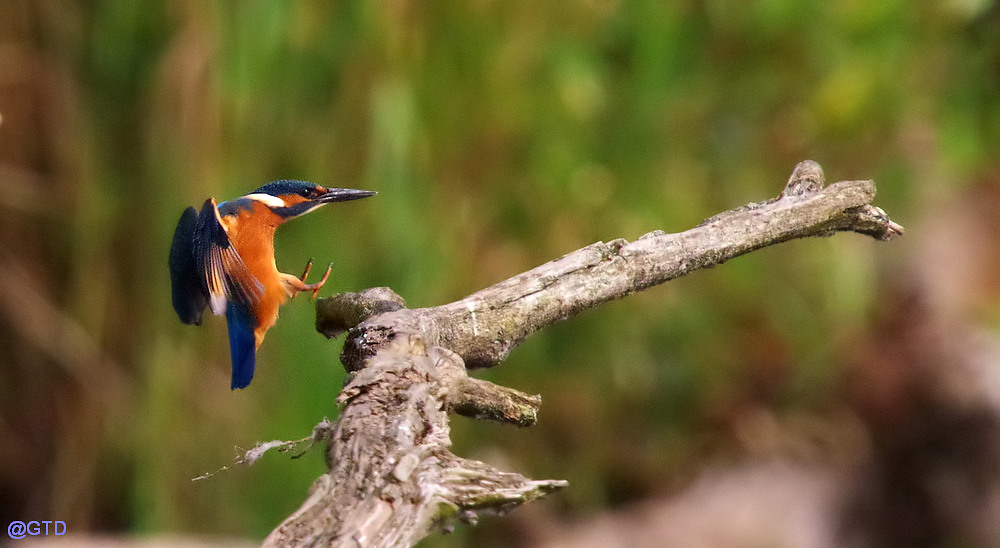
x=252 y=233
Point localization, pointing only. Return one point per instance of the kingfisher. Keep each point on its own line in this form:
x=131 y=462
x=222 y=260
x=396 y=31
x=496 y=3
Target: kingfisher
x=223 y=258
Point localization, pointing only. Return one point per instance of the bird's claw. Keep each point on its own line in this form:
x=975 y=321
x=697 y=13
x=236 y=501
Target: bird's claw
x=318 y=285
x=305 y=272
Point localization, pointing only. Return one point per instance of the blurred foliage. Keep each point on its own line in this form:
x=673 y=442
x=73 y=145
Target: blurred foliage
x=499 y=135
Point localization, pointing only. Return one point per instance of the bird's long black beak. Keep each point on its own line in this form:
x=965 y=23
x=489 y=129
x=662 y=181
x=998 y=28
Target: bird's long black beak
x=344 y=195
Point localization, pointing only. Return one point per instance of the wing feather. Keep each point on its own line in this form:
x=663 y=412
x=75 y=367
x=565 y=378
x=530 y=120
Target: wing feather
x=226 y=276
x=190 y=296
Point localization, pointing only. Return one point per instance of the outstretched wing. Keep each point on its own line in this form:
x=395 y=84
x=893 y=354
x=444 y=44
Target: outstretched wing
x=205 y=268
x=225 y=275
x=190 y=294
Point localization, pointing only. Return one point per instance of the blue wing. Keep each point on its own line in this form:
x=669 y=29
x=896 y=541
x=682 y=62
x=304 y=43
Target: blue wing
x=242 y=344
x=225 y=275
x=206 y=270
x=190 y=295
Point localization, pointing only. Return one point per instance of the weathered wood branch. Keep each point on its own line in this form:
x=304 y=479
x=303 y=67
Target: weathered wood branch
x=391 y=478
x=484 y=327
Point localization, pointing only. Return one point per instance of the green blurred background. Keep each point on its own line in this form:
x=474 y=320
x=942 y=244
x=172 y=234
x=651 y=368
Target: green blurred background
x=499 y=135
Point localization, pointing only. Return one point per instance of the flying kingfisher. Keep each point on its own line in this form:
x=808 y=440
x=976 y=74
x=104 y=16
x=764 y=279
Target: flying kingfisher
x=223 y=258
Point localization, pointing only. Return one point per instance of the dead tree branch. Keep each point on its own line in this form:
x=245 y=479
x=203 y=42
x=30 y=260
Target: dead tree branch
x=391 y=478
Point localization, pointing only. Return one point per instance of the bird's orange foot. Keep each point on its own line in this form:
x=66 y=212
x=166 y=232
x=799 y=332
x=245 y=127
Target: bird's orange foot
x=318 y=285
x=295 y=285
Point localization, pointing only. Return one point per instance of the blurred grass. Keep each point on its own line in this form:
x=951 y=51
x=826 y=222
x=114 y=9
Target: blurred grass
x=499 y=136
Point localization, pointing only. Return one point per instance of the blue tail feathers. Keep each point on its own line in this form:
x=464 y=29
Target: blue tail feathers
x=242 y=346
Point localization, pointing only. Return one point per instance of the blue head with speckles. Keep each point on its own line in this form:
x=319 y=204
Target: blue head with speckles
x=294 y=198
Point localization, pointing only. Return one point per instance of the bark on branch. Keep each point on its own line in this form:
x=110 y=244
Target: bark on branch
x=391 y=478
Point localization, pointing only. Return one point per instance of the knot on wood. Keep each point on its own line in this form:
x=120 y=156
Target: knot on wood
x=806 y=178
x=341 y=312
